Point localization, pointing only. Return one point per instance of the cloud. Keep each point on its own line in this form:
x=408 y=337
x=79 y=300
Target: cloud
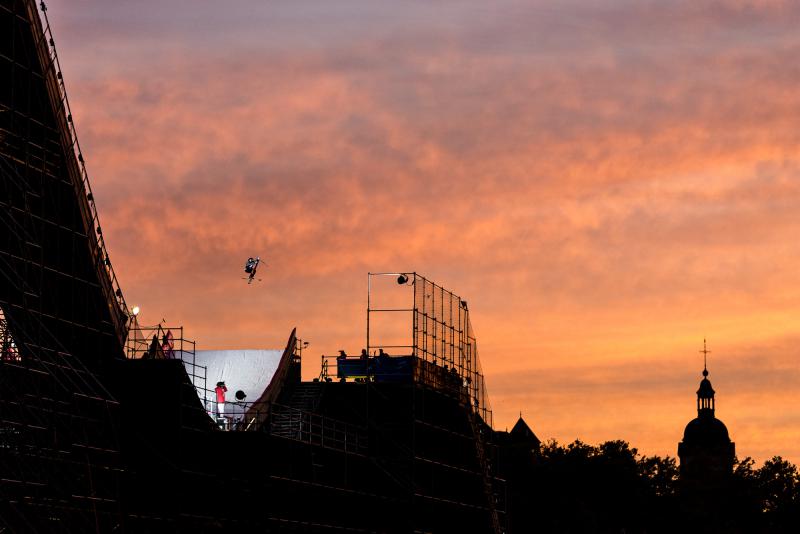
x=595 y=178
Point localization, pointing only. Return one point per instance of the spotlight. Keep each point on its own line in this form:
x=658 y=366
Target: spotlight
x=135 y=310
x=402 y=279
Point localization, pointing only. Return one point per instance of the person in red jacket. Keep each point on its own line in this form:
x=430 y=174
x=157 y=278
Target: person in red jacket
x=220 y=391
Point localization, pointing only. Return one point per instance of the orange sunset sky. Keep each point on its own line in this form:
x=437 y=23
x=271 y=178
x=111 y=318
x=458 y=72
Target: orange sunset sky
x=606 y=183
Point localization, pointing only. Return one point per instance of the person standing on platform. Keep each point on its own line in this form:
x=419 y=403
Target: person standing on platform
x=220 y=391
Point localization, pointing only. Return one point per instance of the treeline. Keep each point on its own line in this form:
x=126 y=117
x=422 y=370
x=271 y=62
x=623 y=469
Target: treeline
x=578 y=488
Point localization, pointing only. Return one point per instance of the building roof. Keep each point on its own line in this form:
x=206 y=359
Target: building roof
x=706 y=432
x=522 y=432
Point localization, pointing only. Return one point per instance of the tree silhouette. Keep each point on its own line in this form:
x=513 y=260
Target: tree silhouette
x=581 y=488
x=778 y=485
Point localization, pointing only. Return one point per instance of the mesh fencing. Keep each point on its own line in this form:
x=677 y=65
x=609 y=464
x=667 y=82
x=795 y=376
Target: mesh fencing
x=443 y=342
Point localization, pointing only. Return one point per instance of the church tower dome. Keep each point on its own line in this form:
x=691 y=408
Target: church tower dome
x=706 y=452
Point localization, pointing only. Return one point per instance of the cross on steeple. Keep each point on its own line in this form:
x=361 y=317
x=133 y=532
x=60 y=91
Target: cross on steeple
x=705 y=395
x=705 y=352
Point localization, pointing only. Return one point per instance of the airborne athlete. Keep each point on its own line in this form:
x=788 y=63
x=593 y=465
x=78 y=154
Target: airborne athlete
x=250 y=268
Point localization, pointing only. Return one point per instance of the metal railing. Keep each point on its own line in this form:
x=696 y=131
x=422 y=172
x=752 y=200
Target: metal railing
x=158 y=342
x=316 y=429
x=168 y=343
x=289 y=423
x=366 y=368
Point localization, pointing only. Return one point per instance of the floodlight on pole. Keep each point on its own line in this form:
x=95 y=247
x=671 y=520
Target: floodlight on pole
x=135 y=311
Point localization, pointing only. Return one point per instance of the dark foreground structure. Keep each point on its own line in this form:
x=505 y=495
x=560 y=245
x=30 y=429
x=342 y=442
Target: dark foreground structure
x=397 y=439
x=707 y=459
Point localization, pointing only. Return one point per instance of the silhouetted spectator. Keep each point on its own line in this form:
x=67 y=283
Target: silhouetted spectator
x=154 y=350
x=168 y=345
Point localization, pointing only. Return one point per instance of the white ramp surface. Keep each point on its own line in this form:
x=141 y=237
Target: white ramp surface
x=249 y=371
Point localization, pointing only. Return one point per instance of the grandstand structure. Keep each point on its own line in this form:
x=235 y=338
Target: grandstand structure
x=110 y=426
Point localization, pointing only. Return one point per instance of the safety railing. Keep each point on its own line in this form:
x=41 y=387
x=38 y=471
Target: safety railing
x=385 y=368
x=233 y=415
x=316 y=429
x=158 y=342
x=379 y=367
x=288 y=423
x=168 y=343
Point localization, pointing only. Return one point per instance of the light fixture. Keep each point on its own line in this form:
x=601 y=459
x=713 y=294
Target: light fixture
x=135 y=311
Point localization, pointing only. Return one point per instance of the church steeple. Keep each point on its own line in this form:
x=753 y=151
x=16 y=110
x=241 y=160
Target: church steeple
x=706 y=453
x=705 y=395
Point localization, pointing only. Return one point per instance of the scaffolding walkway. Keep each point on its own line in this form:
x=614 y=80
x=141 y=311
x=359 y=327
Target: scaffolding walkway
x=315 y=429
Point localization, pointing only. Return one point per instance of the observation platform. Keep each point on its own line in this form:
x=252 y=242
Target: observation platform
x=380 y=368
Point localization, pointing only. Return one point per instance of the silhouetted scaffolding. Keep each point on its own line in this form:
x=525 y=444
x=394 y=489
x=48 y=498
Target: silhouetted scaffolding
x=420 y=334
x=60 y=302
x=433 y=326
x=95 y=442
